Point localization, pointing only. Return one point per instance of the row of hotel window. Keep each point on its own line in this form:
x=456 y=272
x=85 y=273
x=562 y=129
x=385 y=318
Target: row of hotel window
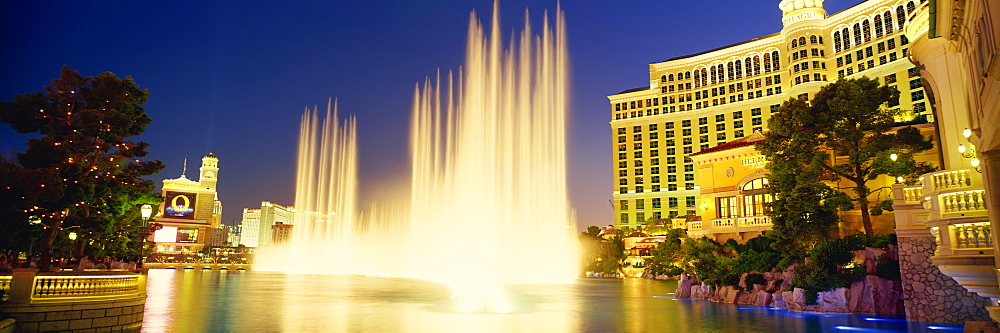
x=672 y=202
x=733 y=88
x=869 y=51
x=719 y=128
x=754 y=112
x=641 y=216
x=863 y=32
x=732 y=70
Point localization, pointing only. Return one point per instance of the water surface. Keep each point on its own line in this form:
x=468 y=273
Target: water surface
x=242 y=301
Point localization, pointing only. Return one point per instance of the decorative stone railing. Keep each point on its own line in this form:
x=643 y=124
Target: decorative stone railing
x=101 y=286
x=753 y=221
x=74 y=301
x=912 y=194
x=972 y=236
x=694 y=226
x=954 y=211
x=723 y=223
x=961 y=202
x=950 y=180
x=28 y=286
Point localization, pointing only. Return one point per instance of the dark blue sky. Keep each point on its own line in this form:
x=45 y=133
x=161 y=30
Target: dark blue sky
x=233 y=77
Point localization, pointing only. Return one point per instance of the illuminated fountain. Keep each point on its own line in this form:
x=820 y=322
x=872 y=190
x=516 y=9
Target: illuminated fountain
x=488 y=204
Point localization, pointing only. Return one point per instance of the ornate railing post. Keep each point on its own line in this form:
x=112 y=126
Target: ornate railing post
x=22 y=285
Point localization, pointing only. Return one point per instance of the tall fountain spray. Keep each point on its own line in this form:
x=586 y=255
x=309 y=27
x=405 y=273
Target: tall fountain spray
x=488 y=203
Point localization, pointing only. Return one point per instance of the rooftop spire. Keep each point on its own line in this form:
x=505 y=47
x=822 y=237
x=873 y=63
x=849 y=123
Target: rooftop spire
x=184 y=171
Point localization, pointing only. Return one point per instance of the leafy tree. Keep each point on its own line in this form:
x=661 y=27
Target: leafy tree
x=612 y=255
x=849 y=120
x=667 y=254
x=711 y=262
x=80 y=169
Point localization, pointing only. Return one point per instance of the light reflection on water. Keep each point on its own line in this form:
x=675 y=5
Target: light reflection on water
x=238 y=301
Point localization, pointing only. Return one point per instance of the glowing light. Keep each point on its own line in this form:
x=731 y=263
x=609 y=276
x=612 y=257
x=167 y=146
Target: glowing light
x=72 y=236
x=893 y=157
x=961 y=149
x=975 y=162
x=967 y=133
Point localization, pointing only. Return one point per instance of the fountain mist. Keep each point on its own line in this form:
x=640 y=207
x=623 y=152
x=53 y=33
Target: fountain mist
x=488 y=202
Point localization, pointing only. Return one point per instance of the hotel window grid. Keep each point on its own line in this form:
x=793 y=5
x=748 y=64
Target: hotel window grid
x=727 y=207
x=755 y=197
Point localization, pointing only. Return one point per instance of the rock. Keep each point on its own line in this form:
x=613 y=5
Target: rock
x=684 y=286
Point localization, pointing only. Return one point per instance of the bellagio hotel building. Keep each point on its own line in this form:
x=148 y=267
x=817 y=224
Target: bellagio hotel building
x=699 y=101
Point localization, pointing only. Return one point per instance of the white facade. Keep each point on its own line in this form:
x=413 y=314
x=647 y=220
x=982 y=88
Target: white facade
x=256 y=227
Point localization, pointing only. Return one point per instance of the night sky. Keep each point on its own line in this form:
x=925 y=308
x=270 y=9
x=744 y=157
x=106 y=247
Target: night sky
x=233 y=77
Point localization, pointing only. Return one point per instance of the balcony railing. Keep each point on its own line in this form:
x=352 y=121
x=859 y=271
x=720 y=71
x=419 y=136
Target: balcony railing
x=754 y=221
x=961 y=202
x=30 y=286
x=694 y=226
x=946 y=180
x=972 y=236
x=912 y=194
x=723 y=223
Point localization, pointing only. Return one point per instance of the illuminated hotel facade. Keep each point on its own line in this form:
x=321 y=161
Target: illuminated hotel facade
x=696 y=102
x=191 y=210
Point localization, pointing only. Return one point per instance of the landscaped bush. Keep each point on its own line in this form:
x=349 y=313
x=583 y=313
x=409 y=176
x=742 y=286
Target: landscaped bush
x=753 y=279
x=887 y=268
x=753 y=261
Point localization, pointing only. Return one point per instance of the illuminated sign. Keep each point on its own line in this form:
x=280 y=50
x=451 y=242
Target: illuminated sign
x=165 y=235
x=179 y=205
x=755 y=162
x=795 y=18
x=187 y=235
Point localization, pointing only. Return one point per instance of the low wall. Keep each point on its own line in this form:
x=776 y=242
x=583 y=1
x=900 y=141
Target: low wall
x=75 y=301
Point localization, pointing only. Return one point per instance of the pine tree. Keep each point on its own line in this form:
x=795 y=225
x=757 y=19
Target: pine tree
x=80 y=169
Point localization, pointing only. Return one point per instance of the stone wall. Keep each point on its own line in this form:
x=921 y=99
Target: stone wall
x=928 y=294
x=116 y=315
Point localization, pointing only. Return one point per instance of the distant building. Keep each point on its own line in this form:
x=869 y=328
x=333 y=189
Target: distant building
x=234 y=235
x=281 y=233
x=190 y=211
x=257 y=224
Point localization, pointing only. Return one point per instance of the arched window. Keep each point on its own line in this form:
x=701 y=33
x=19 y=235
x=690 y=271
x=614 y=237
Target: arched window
x=755 y=197
x=663 y=78
x=802 y=40
x=795 y=43
x=867 y=28
x=671 y=77
x=774 y=58
x=756 y=65
x=714 y=75
x=888 y=22
x=821 y=39
x=847 y=38
x=697 y=79
x=857 y=34
x=739 y=69
x=910 y=7
x=729 y=70
x=813 y=39
x=767 y=62
x=900 y=17
x=836 y=41
x=878 y=26
x=704 y=76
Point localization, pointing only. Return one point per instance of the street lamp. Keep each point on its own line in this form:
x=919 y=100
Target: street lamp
x=969 y=153
x=147 y=211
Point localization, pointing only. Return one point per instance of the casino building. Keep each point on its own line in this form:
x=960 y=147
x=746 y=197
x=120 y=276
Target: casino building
x=696 y=102
x=191 y=210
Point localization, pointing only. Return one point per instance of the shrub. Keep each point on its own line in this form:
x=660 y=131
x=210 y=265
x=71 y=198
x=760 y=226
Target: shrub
x=753 y=261
x=856 y=273
x=732 y=280
x=755 y=278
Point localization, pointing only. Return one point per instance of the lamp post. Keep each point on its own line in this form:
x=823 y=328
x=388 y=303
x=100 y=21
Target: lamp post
x=147 y=211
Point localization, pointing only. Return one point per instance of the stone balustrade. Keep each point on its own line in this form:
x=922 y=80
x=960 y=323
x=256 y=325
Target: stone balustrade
x=723 y=223
x=962 y=202
x=912 y=194
x=69 y=301
x=972 y=236
x=950 y=180
x=694 y=226
x=754 y=221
